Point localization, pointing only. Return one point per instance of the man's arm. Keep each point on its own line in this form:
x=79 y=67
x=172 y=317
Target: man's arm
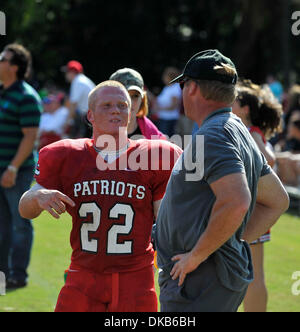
x=24 y=150
x=272 y=201
x=266 y=151
x=233 y=199
x=156 y=206
x=38 y=199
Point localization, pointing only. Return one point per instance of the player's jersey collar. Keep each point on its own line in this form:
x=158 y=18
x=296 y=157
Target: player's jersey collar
x=111 y=156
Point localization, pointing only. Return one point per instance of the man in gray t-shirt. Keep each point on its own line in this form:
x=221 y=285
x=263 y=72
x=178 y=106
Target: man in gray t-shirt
x=232 y=195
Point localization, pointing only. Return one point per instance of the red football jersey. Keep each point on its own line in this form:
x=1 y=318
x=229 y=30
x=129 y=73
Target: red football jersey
x=113 y=216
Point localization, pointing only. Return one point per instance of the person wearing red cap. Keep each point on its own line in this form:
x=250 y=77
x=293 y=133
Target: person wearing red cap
x=80 y=88
x=74 y=66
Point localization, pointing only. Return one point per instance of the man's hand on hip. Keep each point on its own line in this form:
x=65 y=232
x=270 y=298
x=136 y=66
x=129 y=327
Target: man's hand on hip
x=186 y=263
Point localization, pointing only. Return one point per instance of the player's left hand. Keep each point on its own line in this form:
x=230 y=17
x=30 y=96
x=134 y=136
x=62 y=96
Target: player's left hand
x=187 y=263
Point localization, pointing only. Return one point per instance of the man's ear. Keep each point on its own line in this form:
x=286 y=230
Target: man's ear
x=90 y=116
x=192 y=88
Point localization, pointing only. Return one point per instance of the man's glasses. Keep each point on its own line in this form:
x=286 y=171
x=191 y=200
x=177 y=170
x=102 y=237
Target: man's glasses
x=182 y=83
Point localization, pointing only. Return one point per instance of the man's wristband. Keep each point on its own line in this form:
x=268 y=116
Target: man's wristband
x=12 y=169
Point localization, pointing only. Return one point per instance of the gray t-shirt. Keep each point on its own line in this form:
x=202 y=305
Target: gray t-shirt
x=227 y=148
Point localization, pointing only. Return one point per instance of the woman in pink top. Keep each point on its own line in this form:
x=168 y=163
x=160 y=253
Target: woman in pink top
x=139 y=126
x=261 y=113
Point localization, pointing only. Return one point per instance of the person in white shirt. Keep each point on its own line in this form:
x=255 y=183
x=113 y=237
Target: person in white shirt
x=53 y=120
x=168 y=102
x=80 y=88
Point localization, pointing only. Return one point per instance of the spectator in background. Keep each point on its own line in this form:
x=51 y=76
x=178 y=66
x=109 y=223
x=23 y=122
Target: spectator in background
x=139 y=124
x=20 y=110
x=168 y=102
x=81 y=86
x=261 y=114
x=292 y=114
x=53 y=120
x=276 y=87
x=288 y=149
x=288 y=161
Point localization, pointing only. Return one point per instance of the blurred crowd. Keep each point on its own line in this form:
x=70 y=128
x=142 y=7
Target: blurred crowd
x=287 y=144
x=64 y=115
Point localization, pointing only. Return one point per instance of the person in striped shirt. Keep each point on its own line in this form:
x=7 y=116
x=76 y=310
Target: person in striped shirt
x=20 y=110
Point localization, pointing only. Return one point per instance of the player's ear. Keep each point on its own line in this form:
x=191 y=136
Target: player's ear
x=90 y=116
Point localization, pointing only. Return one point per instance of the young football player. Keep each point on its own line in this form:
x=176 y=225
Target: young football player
x=112 y=187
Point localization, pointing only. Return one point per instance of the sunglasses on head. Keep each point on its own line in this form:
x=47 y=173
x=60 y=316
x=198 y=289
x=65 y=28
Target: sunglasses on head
x=182 y=83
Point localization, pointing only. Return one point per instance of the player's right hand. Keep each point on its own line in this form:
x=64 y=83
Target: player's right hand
x=53 y=201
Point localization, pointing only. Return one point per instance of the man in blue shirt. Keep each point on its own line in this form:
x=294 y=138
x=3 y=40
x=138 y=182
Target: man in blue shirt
x=207 y=216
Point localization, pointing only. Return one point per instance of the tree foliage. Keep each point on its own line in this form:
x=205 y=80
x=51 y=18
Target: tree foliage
x=150 y=35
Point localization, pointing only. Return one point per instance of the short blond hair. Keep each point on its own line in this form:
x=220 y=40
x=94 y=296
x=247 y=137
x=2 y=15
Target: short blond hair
x=110 y=83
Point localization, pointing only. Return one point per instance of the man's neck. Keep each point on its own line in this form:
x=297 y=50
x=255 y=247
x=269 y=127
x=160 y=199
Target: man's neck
x=208 y=110
x=9 y=81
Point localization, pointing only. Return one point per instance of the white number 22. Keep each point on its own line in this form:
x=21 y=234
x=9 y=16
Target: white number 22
x=113 y=247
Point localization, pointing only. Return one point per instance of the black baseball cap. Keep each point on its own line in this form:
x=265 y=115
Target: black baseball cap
x=202 y=66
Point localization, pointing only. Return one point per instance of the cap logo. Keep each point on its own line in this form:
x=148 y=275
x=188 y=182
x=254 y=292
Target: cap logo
x=227 y=70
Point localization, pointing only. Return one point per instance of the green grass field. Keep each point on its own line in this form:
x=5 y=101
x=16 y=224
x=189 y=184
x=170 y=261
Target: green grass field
x=51 y=255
